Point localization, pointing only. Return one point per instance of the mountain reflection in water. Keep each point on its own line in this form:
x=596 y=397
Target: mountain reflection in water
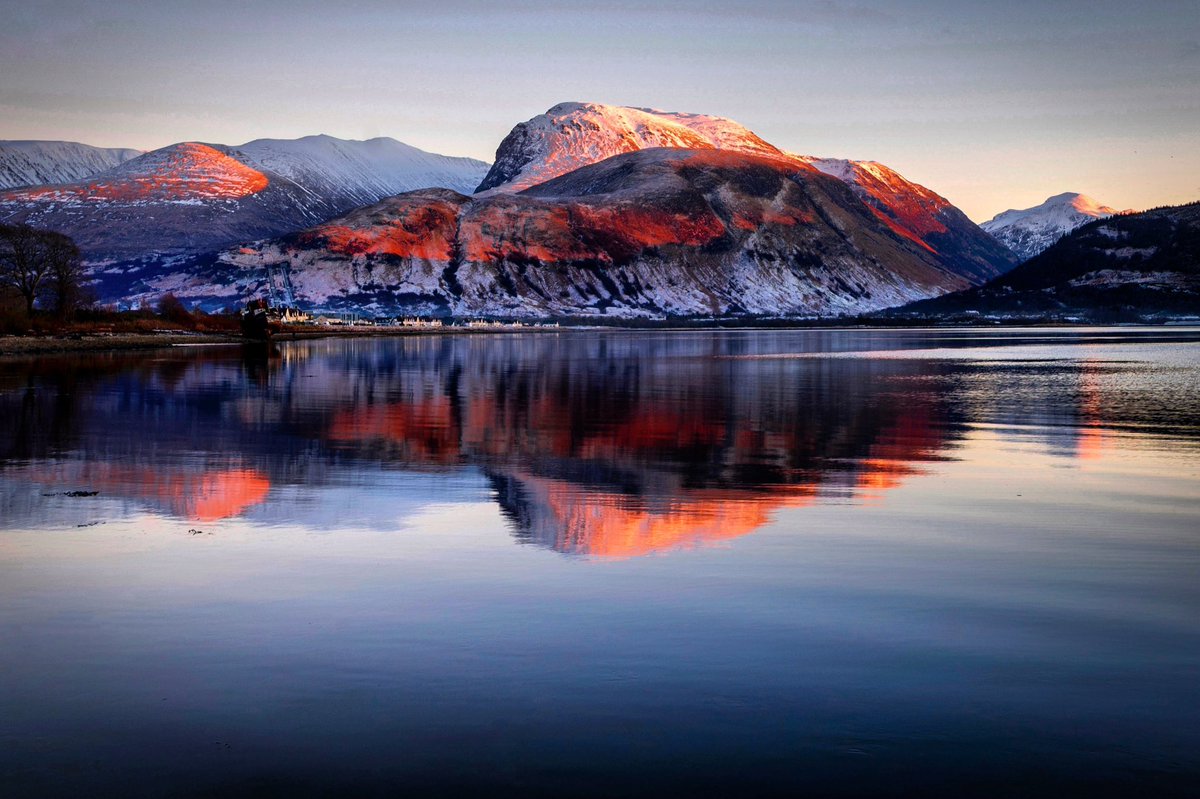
x=608 y=444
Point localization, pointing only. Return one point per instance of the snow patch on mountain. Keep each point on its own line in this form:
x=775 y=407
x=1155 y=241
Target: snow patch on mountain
x=32 y=163
x=574 y=135
x=1029 y=231
x=361 y=172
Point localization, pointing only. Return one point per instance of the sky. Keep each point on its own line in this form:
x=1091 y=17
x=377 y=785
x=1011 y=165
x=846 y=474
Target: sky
x=993 y=105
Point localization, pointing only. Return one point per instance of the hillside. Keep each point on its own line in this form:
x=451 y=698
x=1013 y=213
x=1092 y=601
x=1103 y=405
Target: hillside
x=1134 y=266
x=32 y=163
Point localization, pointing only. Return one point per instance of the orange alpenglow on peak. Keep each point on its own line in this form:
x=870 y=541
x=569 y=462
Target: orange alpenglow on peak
x=187 y=172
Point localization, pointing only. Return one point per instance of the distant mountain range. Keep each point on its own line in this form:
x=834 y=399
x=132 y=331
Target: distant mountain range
x=1121 y=268
x=588 y=210
x=191 y=198
x=1029 y=231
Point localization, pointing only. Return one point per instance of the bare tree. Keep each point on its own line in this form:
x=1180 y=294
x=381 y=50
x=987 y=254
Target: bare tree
x=35 y=262
x=22 y=264
x=66 y=274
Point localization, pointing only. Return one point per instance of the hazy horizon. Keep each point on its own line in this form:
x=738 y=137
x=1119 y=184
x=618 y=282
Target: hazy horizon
x=994 y=108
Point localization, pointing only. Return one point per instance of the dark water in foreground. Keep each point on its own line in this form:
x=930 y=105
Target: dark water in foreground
x=575 y=564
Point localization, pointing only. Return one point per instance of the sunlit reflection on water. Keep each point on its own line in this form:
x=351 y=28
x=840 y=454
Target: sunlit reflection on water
x=596 y=563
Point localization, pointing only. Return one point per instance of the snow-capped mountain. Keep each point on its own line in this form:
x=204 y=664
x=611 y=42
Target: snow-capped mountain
x=31 y=163
x=589 y=209
x=191 y=196
x=644 y=233
x=572 y=135
x=361 y=172
x=187 y=197
x=1029 y=231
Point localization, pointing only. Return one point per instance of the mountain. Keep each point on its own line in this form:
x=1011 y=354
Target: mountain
x=572 y=135
x=355 y=173
x=1029 y=231
x=30 y=163
x=716 y=221
x=1127 y=267
x=644 y=233
x=923 y=216
x=187 y=197
x=191 y=197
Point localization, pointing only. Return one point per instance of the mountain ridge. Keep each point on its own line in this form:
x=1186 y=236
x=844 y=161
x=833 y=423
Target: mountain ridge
x=887 y=241
x=33 y=162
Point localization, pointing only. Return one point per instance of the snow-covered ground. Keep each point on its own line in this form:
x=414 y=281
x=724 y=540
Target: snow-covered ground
x=362 y=171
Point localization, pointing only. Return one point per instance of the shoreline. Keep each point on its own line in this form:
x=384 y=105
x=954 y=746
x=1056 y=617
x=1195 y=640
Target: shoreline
x=20 y=346
x=17 y=346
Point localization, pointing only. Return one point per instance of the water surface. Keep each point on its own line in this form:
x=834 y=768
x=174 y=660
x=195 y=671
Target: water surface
x=618 y=563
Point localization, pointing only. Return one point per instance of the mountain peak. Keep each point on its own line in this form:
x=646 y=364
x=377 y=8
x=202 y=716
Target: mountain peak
x=574 y=134
x=1028 y=231
x=1080 y=202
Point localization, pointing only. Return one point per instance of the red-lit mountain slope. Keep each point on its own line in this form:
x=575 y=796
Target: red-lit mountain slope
x=649 y=232
x=191 y=197
x=571 y=135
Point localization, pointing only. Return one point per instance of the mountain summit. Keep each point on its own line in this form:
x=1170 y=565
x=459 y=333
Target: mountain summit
x=1029 y=231
x=573 y=135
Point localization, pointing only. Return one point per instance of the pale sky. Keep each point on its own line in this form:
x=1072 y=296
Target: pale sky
x=993 y=105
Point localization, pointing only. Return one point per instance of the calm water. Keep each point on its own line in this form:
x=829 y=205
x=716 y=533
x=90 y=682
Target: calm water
x=574 y=564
